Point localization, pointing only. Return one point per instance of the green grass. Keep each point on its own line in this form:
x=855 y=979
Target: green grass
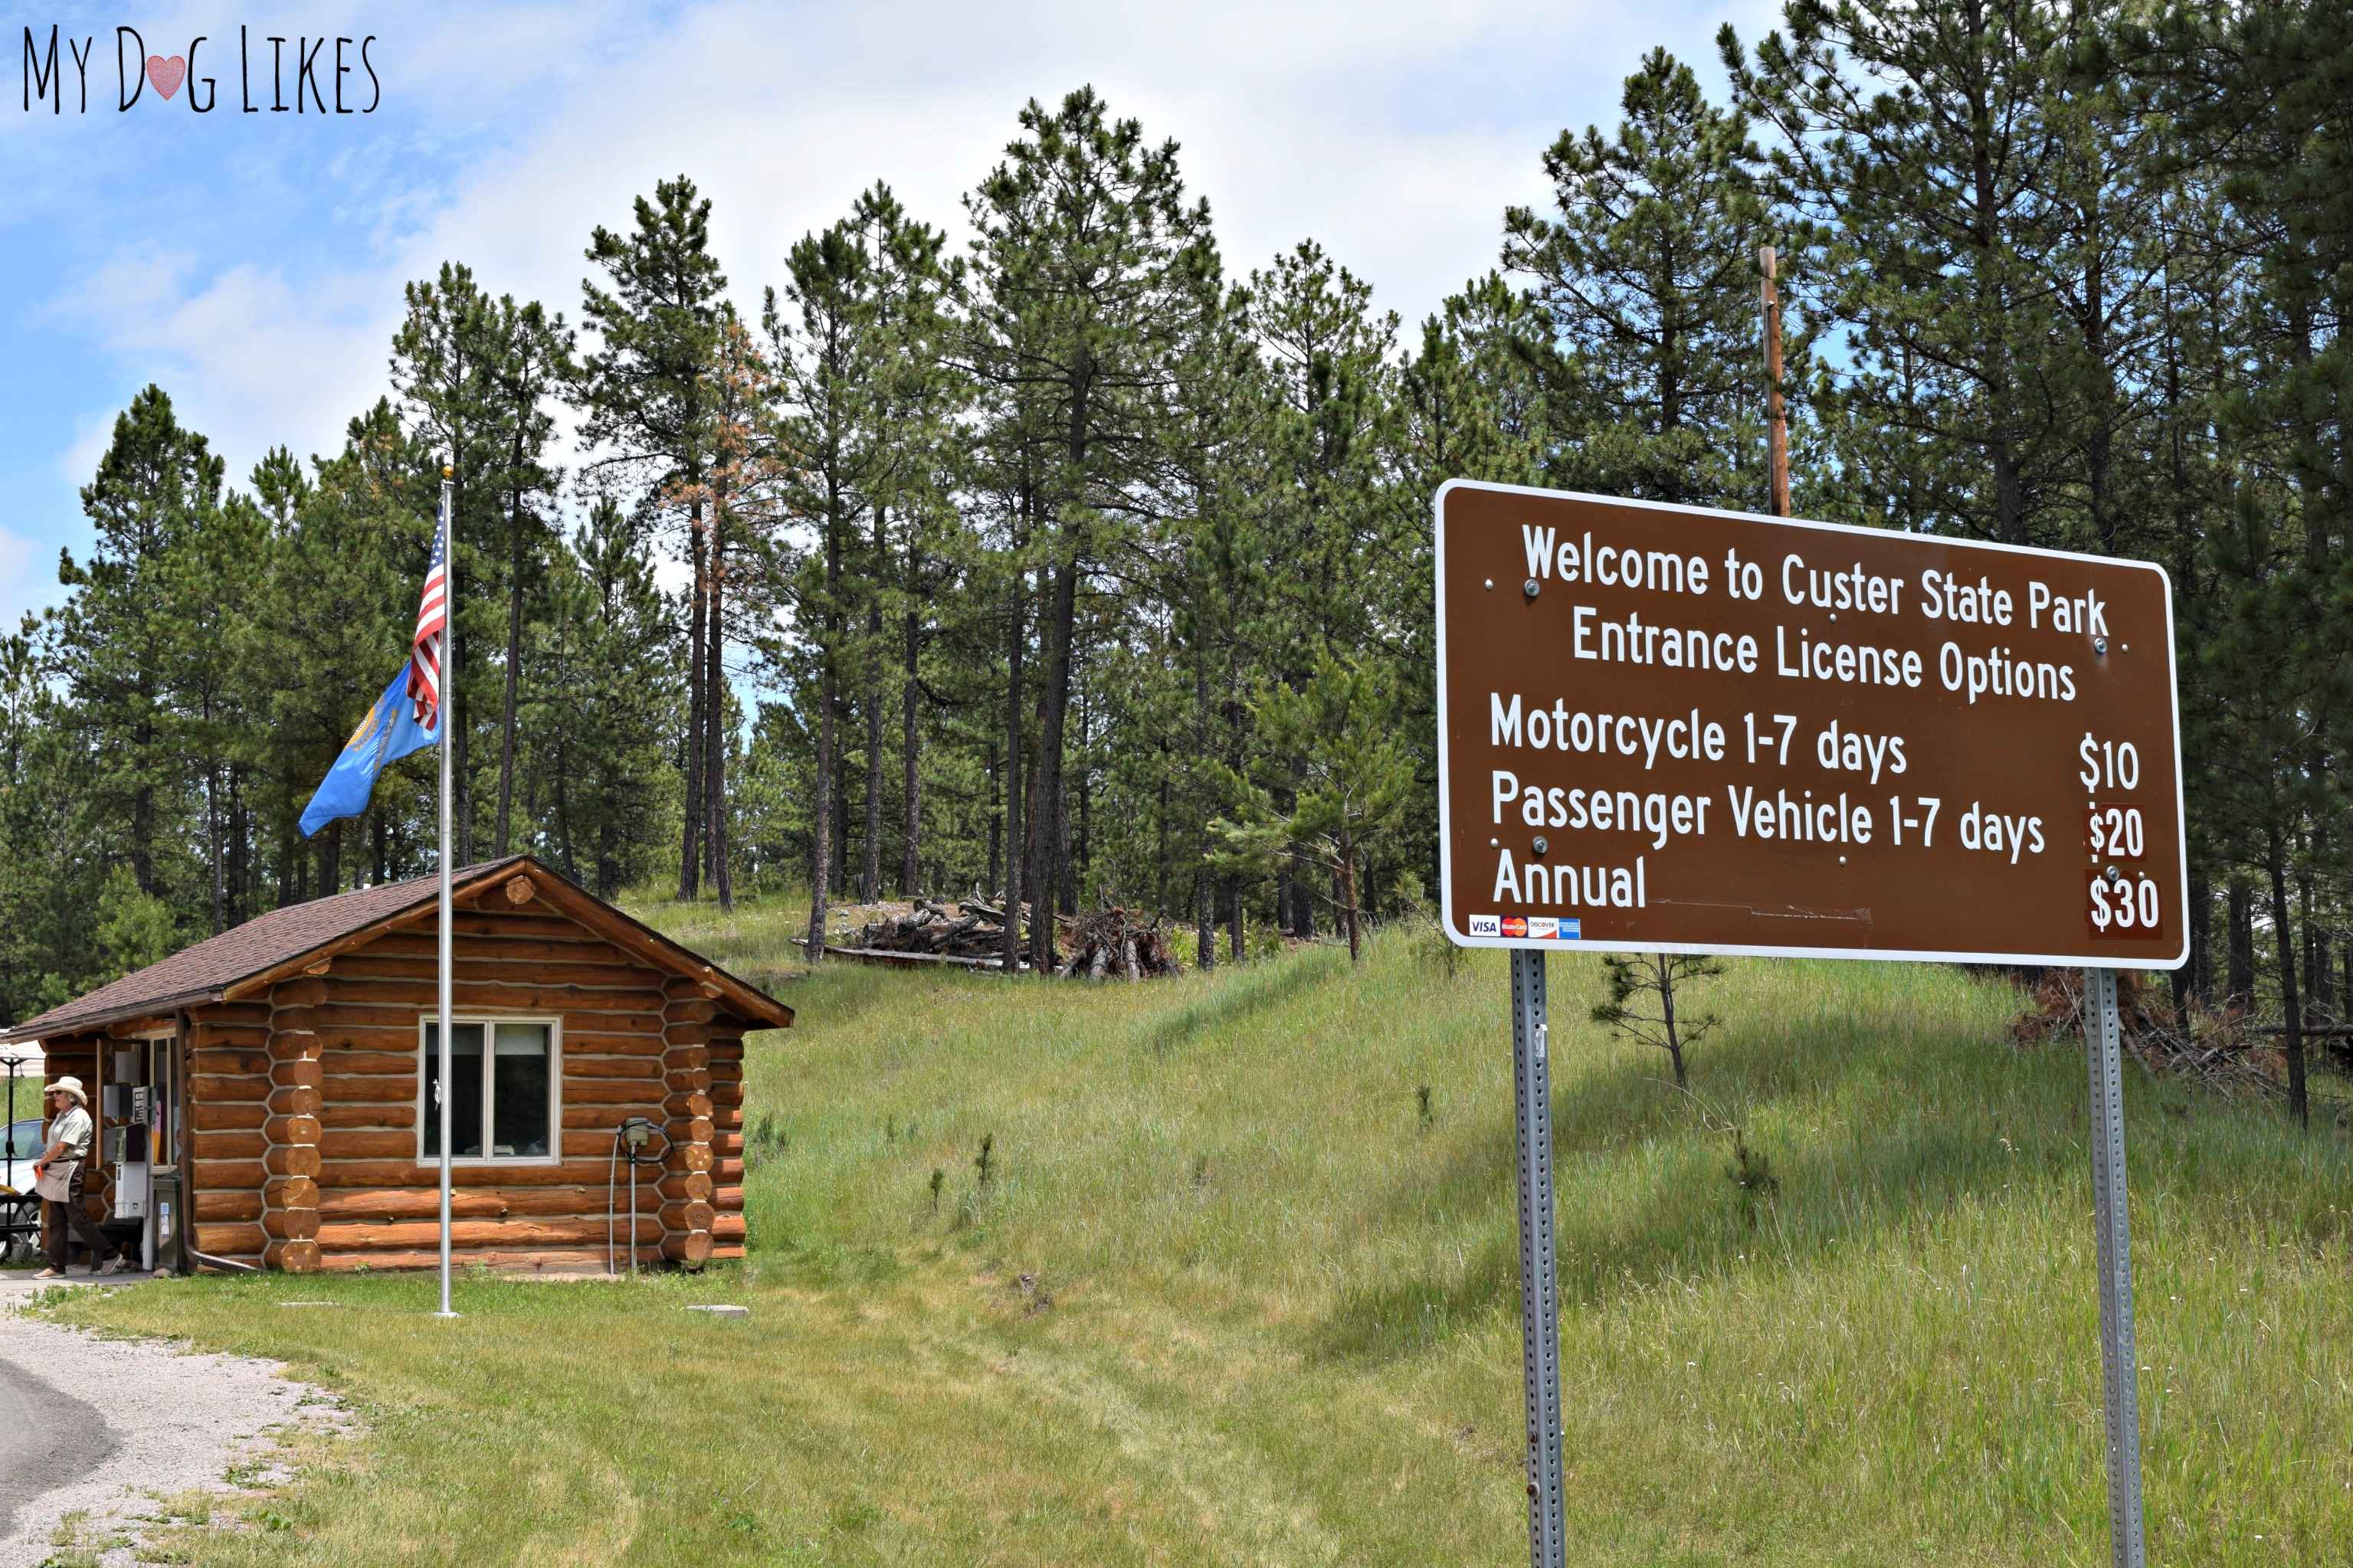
x=1226 y=1298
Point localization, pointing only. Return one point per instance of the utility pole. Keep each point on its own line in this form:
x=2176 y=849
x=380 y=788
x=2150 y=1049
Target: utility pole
x=1776 y=421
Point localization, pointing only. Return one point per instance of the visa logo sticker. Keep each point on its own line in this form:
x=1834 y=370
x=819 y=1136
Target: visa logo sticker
x=1545 y=927
x=1516 y=925
x=1486 y=925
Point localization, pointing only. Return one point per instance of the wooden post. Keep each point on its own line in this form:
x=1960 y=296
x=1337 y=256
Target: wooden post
x=289 y=1217
x=686 y=1186
x=1776 y=423
x=727 y=1230
x=93 y=1180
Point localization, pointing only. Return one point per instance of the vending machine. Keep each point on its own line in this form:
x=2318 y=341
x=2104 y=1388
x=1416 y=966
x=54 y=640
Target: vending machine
x=138 y=1128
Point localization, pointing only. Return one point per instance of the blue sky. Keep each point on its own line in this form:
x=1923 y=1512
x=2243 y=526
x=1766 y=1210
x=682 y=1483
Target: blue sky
x=251 y=264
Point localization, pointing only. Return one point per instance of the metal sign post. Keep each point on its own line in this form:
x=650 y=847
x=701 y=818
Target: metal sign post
x=1539 y=1282
x=2103 y=1041
x=1674 y=730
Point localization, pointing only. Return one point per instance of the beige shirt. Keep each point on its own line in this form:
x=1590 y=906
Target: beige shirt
x=72 y=1130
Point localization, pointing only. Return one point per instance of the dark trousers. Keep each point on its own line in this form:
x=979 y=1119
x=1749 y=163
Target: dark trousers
x=72 y=1215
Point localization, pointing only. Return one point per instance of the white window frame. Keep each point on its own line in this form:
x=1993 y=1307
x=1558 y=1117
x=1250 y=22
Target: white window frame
x=554 y=1023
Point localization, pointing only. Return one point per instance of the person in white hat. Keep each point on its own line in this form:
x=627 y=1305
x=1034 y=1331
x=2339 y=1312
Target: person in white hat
x=69 y=1136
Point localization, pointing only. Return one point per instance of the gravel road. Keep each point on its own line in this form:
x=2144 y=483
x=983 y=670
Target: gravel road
x=53 y=1440
x=106 y=1425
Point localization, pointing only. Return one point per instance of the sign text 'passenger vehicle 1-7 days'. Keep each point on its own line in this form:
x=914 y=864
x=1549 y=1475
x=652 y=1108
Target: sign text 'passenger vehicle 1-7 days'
x=1667 y=728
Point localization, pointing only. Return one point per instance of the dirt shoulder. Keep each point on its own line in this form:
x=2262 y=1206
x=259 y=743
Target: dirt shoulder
x=113 y=1426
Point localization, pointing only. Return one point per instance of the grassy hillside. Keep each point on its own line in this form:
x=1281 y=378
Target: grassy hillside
x=1228 y=1296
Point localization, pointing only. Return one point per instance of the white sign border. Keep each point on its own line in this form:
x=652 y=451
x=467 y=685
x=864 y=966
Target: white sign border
x=1880 y=955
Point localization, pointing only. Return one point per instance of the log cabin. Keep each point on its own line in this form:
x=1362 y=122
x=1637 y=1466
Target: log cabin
x=265 y=1099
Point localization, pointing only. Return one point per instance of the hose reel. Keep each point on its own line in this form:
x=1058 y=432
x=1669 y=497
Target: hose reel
x=631 y=1141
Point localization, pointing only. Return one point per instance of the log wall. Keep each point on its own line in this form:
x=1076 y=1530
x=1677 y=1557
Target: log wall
x=727 y=1233
x=230 y=1065
x=303 y=1107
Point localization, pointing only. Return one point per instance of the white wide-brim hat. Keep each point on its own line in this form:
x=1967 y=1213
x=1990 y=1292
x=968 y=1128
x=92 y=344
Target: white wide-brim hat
x=68 y=1086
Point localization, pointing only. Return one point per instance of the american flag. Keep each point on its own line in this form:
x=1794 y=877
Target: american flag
x=432 y=622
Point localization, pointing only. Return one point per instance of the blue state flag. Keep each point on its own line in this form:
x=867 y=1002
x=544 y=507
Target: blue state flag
x=389 y=733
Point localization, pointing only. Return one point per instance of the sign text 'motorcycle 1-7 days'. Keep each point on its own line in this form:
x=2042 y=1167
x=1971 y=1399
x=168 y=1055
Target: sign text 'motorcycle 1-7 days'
x=1665 y=727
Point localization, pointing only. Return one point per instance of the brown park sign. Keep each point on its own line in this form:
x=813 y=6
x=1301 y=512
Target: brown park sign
x=1664 y=728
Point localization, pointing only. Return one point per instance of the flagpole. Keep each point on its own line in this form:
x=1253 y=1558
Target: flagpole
x=447 y=716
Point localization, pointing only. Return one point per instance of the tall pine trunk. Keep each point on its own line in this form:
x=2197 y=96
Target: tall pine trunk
x=2193 y=982
x=2240 y=978
x=994 y=773
x=243 y=891
x=1050 y=833
x=2009 y=483
x=869 y=876
x=1204 y=896
x=690 y=852
x=714 y=707
x=514 y=673
x=2291 y=1014
x=870 y=871
x=1348 y=901
x=822 y=809
x=1015 y=637
x=911 y=736
x=461 y=753
x=1204 y=919
x=142 y=814
x=870 y=867
x=840 y=793
x=330 y=861
x=213 y=842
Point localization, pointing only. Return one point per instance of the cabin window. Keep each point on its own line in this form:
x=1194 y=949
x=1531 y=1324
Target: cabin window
x=503 y=1078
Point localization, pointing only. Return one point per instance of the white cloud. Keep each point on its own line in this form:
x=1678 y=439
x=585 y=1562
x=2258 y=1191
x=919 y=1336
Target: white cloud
x=249 y=358
x=27 y=577
x=1395 y=133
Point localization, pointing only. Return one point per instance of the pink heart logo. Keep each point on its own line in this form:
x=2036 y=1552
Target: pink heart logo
x=166 y=75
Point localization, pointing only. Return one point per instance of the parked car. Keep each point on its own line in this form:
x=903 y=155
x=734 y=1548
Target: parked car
x=20 y=1210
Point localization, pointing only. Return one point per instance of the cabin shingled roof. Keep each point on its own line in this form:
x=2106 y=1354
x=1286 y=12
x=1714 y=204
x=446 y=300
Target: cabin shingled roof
x=200 y=974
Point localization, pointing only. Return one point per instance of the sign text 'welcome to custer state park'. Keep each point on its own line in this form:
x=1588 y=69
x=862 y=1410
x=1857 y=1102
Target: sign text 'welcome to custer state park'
x=1667 y=728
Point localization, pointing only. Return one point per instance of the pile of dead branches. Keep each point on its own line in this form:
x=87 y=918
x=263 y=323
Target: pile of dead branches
x=2216 y=1048
x=971 y=928
x=1113 y=943
x=1125 y=944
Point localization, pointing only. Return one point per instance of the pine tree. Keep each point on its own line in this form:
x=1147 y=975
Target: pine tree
x=157 y=485
x=340 y=606
x=648 y=400
x=1332 y=753
x=55 y=837
x=441 y=362
x=1646 y=274
x=603 y=695
x=207 y=584
x=1921 y=139
x=530 y=360
x=829 y=355
x=1324 y=365
x=1092 y=278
